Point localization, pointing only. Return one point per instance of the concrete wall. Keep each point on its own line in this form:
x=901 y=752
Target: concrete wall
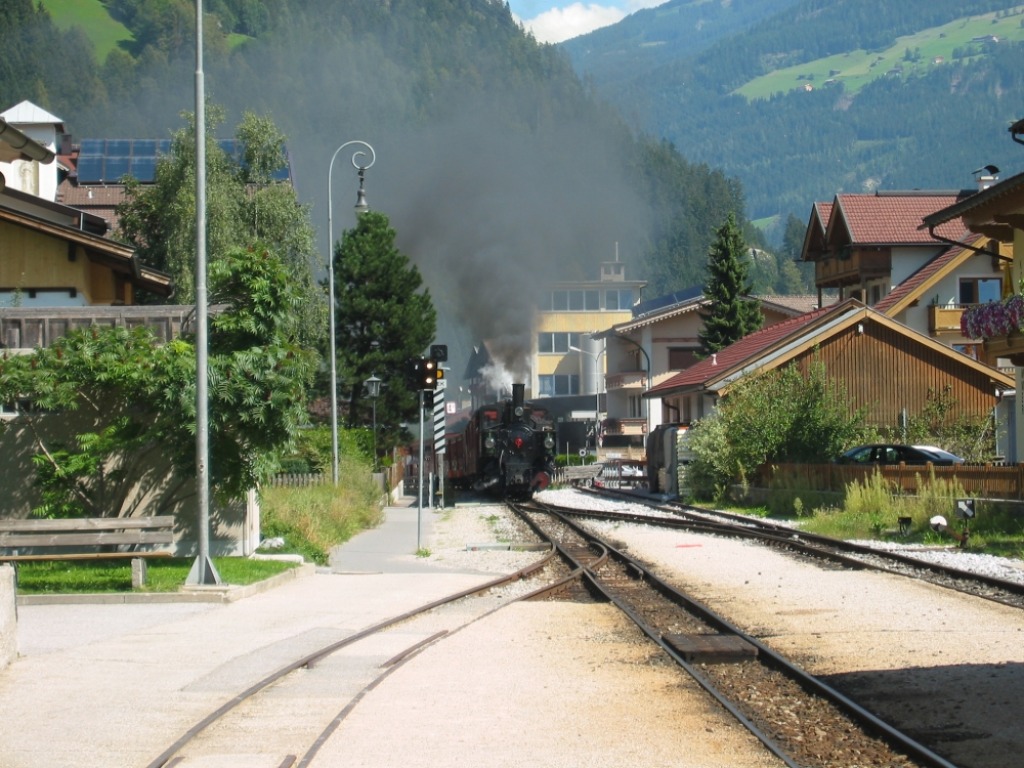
x=8 y=617
x=234 y=527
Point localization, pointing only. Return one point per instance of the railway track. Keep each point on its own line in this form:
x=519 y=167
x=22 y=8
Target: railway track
x=800 y=719
x=315 y=690
x=844 y=553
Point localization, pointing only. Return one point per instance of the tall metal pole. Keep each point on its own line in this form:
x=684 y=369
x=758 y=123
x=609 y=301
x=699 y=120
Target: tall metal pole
x=419 y=491
x=202 y=571
x=360 y=208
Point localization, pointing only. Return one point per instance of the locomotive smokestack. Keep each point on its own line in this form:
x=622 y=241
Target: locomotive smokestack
x=518 y=395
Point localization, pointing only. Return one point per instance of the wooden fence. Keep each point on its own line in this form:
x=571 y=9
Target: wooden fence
x=992 y=481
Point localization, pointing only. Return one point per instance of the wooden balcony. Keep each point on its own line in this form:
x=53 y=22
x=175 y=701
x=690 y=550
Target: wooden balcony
x=848 y=268
x=625 y=427
x=626 y=380
x=28 y=328
x=944 y=319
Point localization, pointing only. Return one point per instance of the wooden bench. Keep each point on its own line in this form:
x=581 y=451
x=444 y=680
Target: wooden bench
x=85 y=538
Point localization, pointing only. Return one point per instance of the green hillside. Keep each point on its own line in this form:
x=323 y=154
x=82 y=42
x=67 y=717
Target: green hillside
x=958 y=41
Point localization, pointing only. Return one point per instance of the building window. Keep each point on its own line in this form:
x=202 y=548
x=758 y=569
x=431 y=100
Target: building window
x=973 y=351
x=636 y=408
x=615 y=301
x=980 y=290
x=552 y=385
x=570 y=301
x=556 y=343
x=680 y=358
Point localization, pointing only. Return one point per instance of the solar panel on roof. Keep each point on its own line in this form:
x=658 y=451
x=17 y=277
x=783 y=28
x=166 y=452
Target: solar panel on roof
x=144 y=169
x=116 y=167
x=107 y=161
x=90 y=169
x=93 y=146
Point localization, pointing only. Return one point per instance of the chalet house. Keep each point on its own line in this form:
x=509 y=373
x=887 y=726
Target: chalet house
x=60 y=270
x=56 y=257
x=871 y=247
x=886 y=368
x=660 y=340
x=996 y=214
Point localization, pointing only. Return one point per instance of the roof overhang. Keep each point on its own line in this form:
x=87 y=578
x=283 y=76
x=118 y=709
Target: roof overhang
x=15 y=145
x=994 y=212
x=120 y=258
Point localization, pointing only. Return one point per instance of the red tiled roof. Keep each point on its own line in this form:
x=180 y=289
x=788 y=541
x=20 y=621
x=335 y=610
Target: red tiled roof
x=892 y=218
x=743 y=349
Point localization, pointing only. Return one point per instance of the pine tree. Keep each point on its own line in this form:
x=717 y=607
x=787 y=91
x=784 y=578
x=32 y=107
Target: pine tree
x=384 y=318
x=731 y=314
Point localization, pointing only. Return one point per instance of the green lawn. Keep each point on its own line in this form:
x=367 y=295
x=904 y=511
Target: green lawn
x=105 y=33
x=164 y=574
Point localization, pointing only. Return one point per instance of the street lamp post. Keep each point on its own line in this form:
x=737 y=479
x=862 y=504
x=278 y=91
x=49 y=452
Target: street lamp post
x=361 y=207
x=373 y=391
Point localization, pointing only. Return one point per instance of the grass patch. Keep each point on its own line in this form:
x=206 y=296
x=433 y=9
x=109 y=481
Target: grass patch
x=105 y=33
x=164 y=575
x=314 y=519
x=872 y=510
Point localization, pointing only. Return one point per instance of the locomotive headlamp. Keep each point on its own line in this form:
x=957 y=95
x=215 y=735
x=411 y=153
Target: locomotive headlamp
x=489 y=442
x=549 y=442
x=519 y=411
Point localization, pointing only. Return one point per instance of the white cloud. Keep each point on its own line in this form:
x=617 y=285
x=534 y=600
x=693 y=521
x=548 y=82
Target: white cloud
x=558 y=24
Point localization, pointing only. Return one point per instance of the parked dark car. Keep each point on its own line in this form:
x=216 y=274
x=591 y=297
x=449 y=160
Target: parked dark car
x=898 y=454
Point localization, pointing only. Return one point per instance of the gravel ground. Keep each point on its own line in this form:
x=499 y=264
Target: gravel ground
x=541 y=683
x=946 y=668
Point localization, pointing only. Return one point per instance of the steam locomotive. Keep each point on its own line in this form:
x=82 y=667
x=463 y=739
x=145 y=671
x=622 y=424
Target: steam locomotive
x=506 y=449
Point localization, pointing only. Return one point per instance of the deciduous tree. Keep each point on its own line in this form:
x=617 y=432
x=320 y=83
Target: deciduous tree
x=129 y=401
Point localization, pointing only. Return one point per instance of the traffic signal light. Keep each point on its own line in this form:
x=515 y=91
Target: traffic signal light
x=426 y=373
x=429 y=378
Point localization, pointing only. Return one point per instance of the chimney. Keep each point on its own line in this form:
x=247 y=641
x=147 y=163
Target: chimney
x=518 y=395
x=986 y=176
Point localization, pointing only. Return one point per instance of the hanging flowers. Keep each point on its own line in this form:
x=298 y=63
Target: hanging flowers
x=997 y=318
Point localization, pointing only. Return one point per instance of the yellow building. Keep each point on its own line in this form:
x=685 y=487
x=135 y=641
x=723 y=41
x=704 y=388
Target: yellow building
x=566 y=361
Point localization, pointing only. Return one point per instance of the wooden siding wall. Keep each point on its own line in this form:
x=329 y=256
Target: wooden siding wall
x=39 y=261
x=27 y=328
x=885 y=372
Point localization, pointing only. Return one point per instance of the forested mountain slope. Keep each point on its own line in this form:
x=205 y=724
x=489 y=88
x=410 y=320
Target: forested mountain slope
x=854 y=95
x=496 y=167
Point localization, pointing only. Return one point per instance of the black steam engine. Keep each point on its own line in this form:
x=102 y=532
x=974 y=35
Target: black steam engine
x=507 y=449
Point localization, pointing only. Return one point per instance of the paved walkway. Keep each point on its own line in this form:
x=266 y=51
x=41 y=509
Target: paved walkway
x=114 y=683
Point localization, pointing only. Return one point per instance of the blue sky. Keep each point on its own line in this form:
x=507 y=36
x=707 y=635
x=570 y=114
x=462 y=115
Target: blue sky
x=552 y=21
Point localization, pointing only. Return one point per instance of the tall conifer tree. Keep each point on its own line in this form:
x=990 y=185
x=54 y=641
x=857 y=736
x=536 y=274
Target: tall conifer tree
x=731 y=314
